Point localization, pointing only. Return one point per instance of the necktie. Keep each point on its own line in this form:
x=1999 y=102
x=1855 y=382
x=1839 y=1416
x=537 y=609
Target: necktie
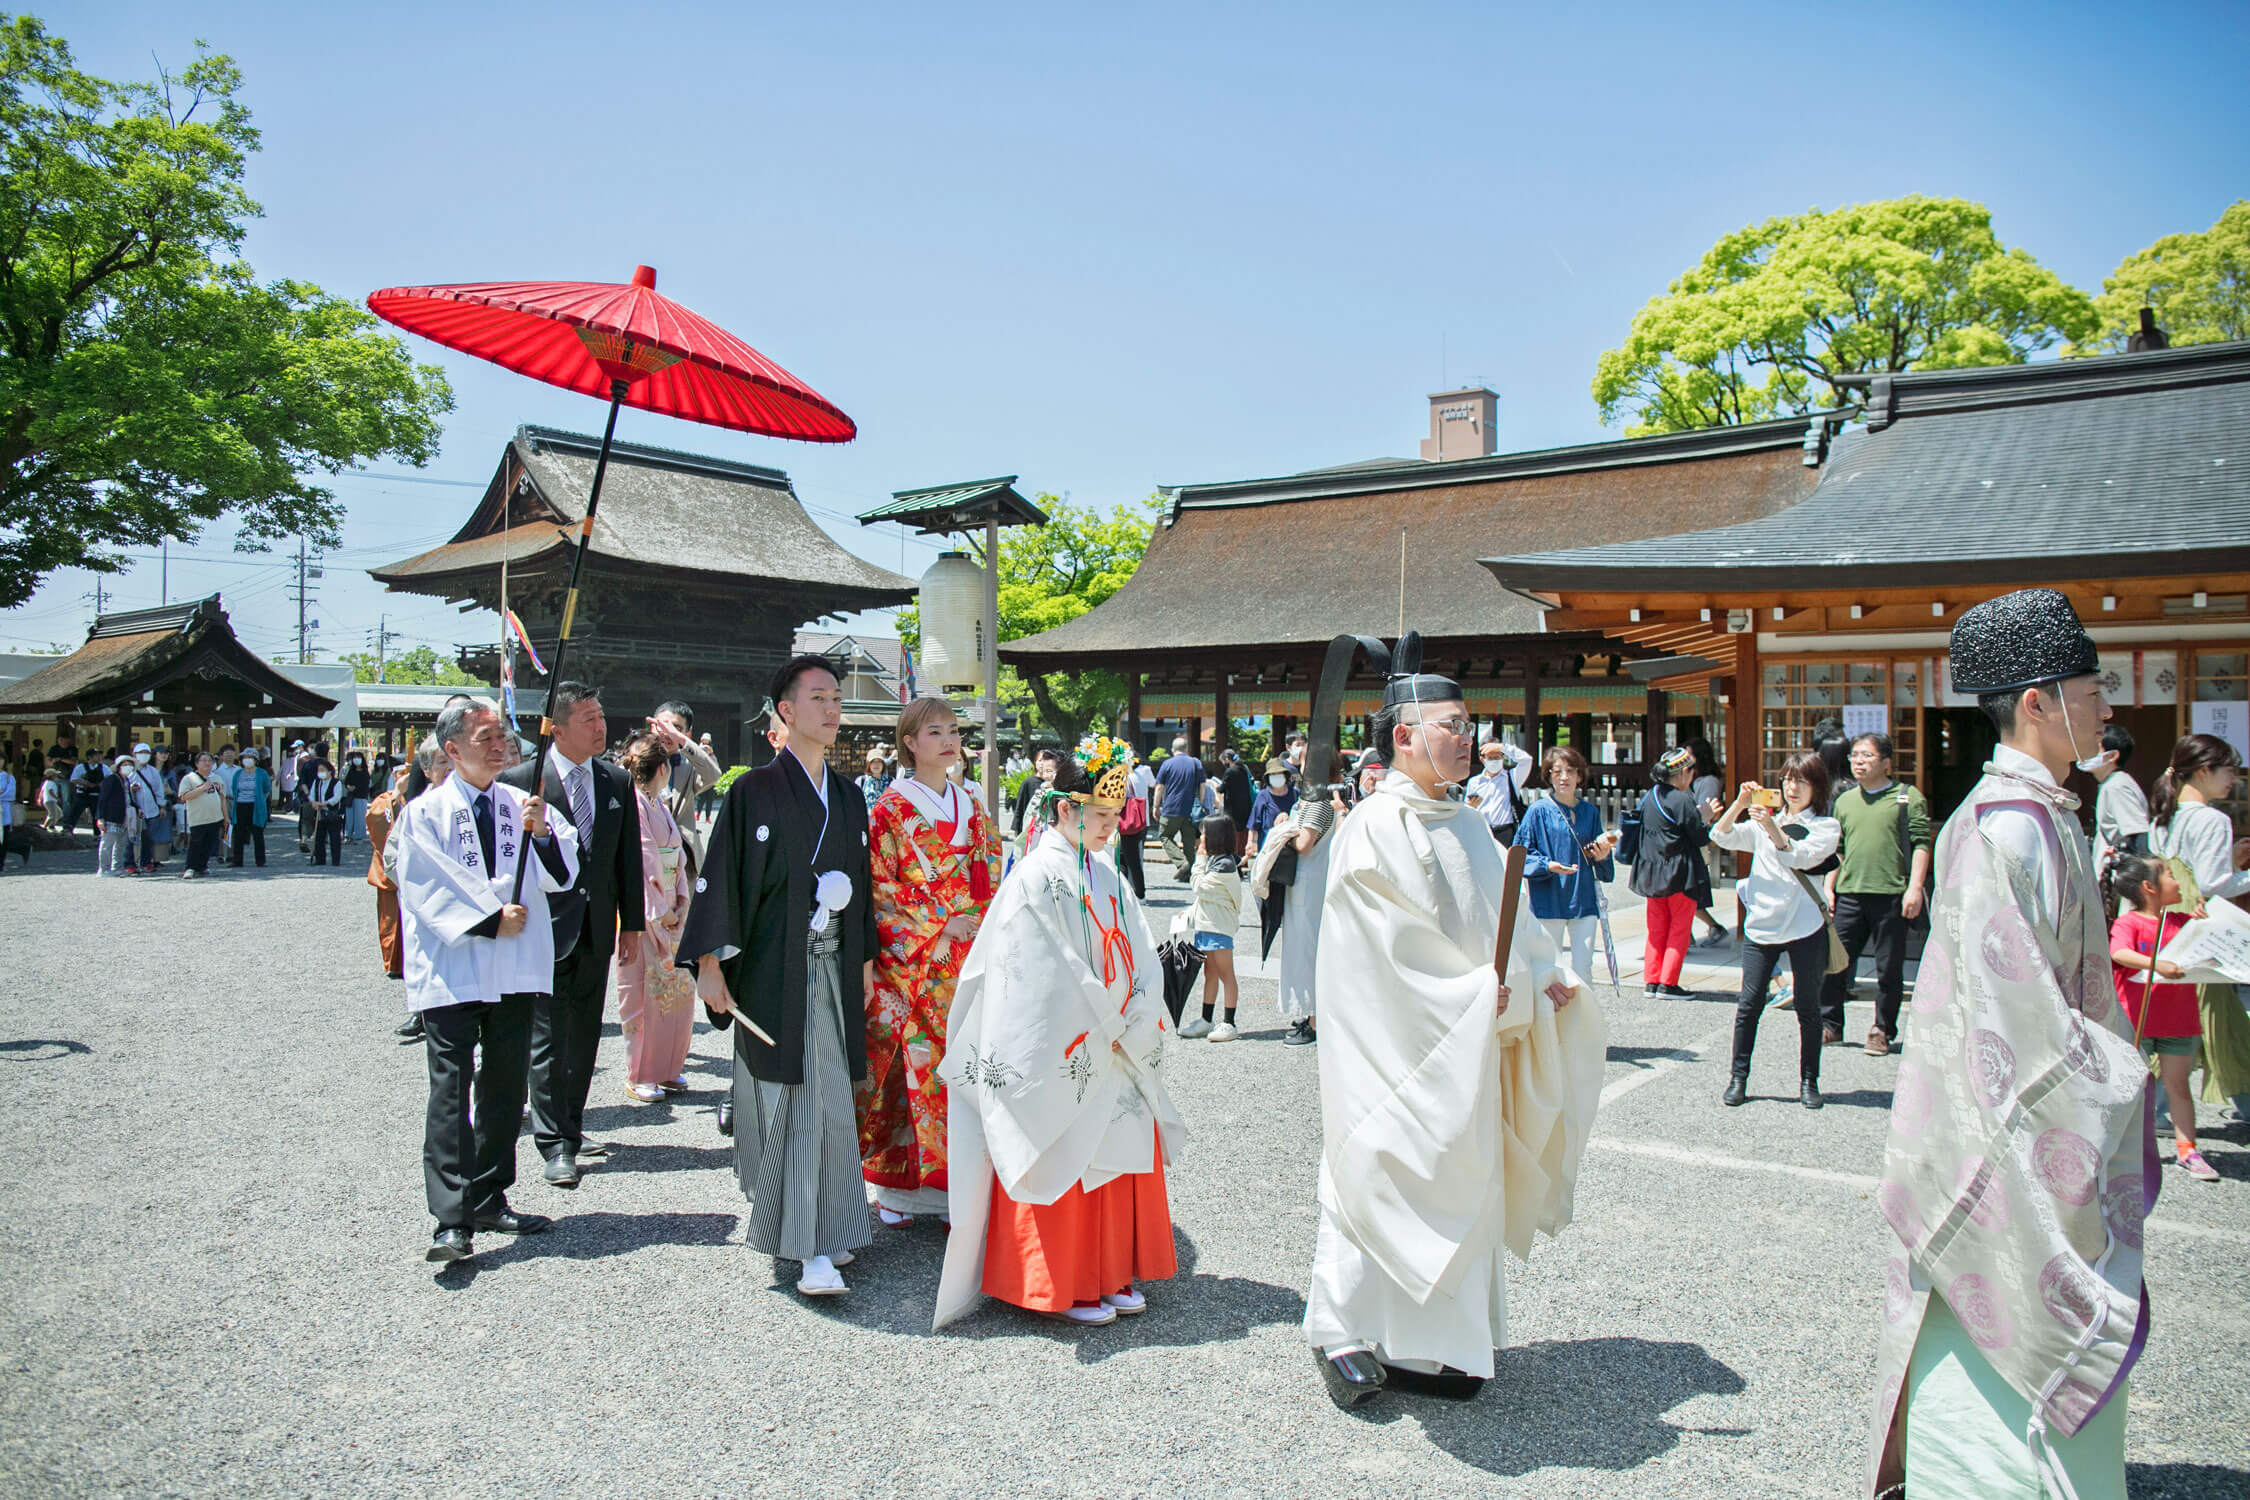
x=484 y=829
x=581 y=804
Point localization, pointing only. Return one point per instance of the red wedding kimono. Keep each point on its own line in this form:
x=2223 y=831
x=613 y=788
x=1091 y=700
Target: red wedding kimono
x=921 y=876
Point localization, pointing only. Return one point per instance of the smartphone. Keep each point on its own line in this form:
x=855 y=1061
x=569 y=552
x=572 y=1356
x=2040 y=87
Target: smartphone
x=1765 y=796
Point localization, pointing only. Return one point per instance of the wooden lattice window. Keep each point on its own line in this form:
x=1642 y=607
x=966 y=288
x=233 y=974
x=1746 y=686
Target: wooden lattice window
x=2223 y=677
x=1798 y=695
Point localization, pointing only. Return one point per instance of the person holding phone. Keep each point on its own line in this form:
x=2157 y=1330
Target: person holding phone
x=1785 y=835
x=1566 y=851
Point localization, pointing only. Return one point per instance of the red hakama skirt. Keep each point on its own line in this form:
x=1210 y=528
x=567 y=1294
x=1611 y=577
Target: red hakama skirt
x=1081 y=1247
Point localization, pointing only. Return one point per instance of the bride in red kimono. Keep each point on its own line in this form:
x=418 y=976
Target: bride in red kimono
x=935 y=860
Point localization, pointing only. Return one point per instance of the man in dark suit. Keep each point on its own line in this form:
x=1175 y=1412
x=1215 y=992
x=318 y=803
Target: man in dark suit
x=605 y=900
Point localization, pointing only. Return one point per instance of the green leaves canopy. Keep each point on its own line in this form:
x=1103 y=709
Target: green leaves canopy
x=421 y=665
x=151 y=382
x=1774 y=312
x=1052 y=574
x=2199 y=285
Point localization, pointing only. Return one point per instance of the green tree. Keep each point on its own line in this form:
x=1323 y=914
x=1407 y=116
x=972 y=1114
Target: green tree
x=422 y=665
x=1773 y=313
x=1050 y=575
x=2199 y=285
x=150 y=382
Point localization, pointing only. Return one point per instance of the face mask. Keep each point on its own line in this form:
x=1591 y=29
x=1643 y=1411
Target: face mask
x=1278 y=783
x=2090 y=763
x=140 y=757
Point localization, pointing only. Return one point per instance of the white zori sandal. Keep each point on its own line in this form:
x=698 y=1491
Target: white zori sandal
x=1127 y=1301
x=821 y=1278
x=1090 y=1317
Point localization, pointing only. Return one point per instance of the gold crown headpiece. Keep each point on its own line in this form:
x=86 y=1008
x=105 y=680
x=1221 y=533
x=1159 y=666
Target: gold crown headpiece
x=1108 y=765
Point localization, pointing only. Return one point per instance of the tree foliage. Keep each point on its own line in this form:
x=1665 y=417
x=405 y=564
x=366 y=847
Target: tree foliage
x=1773 y=313
x=1050 y=575
x=422 y=666
x=151 y=383
x=2199 y=285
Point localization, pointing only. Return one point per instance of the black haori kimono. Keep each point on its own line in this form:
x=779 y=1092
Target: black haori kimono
x=796 y=1143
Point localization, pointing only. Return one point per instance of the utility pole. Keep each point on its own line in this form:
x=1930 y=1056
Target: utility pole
x=382 y=636
x=308 y=573
x=164 y=575
x=101 y=595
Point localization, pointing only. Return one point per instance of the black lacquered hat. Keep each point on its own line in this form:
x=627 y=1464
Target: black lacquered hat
x=2020 y=640
x=1408 y=683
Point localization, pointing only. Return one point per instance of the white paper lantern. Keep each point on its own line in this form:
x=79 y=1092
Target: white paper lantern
x=952 y=607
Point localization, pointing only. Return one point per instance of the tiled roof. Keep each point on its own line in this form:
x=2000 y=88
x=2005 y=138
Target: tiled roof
x=126 y=654
x=2135 y=463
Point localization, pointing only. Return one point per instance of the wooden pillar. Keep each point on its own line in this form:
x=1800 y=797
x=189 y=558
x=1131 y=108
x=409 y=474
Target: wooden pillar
x=1531 y=707
x=1745 y=723
x=1659 y=711
x=1133 y=711
x=1219 y=712
x=1193 y=729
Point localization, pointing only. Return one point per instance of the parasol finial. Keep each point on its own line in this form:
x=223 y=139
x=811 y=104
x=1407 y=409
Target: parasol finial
x=645 y=276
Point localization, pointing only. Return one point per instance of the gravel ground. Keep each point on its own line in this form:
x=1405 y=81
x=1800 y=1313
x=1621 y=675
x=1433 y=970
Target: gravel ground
x=213 y=1226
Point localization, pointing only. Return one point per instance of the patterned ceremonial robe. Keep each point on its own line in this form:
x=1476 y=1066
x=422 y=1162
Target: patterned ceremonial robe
x=924 y=871
x=1054 y=1059
x=2021 y=1160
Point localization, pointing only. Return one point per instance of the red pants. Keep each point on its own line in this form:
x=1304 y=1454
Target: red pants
x=1671 y=922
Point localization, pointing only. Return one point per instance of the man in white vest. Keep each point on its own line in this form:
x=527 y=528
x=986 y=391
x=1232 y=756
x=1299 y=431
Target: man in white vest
x=475 y=957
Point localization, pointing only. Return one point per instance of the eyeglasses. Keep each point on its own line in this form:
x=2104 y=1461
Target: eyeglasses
x=1457 y=727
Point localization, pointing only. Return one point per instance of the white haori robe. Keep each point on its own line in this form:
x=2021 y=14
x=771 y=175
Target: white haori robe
x=1451 y=1131
x=443 y=892
x=1035 y=1092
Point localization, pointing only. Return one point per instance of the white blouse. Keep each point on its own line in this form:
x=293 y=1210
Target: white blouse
x=1775 y=907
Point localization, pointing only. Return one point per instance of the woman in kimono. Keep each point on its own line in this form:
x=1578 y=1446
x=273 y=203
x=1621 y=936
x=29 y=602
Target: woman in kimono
x=934 y=859
x=1060 y=1127
x=655 y=1001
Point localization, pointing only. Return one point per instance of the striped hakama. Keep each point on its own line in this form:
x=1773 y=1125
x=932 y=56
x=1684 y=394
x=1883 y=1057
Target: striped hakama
x=796 y=1146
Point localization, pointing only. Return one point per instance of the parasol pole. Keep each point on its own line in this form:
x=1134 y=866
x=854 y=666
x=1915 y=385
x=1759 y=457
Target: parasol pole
x=617 y=389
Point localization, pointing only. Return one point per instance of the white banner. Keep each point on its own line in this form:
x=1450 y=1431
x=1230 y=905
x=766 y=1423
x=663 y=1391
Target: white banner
x=2160 y=678
x=2226 y=721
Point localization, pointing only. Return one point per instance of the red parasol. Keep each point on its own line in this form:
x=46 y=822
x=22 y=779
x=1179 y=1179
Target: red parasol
x=630 y=344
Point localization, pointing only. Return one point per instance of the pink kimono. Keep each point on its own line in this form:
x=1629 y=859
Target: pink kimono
x=656 y=1002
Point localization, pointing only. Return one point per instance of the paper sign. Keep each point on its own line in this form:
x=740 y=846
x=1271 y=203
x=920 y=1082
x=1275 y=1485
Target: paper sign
x=2226 y=721
x=2213 y=949
x=1866 y=718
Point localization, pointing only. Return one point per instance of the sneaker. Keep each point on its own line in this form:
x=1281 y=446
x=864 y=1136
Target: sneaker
x=821 y=1278
x=647 y=1093
x=1878 y=1042
x=1127 y=1302
x=1830 y=1036
x=2197 y=1168
x=1224 y=1032
x=1091 y=1317
x=1300 y=1035
x=1195 y=1028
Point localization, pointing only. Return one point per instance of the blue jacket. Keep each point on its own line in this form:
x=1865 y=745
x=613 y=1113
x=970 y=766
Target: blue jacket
x=260 y=789
x=1269 y=809
x=1553 y=834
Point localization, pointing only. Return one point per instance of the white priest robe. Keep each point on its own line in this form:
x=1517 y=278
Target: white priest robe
x=1450 y=1131
x=443 y=891
x=1036 y=1094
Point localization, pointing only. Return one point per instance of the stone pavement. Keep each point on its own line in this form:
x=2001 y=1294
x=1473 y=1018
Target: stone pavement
x=213 y=1225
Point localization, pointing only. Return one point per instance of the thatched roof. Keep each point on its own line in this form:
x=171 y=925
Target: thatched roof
x=160 y=661
x=1298 y=560
x=660 y=509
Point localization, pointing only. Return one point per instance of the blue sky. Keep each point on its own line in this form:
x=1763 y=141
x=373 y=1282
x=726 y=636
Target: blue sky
x=1110 y=248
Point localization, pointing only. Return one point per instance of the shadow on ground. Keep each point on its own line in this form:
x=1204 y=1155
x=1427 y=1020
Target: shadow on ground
x=42 y=1049
x=2186 y=1482
x=1619 y=1389
x=590 y=1236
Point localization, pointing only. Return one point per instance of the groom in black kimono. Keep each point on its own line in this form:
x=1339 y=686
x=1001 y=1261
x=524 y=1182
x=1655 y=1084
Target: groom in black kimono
x=782 y=934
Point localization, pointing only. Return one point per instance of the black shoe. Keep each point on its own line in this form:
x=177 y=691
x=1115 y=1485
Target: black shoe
x=726 y=1117
x=1738 y=1089
x=562 y=1170
x=449 y=1245
x=591 y=1150
x=1809 y=1095
x=1353 y=1377
x=1673 y=992
x=410 y=1030
x=1300 y=1035
x=505 y=1220
x=1447 y=1384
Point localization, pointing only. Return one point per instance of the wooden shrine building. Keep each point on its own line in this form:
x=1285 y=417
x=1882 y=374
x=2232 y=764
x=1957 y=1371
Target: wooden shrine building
x=1245 y=584
x=2123 y=481
x=175 y=675
x=699 y=574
